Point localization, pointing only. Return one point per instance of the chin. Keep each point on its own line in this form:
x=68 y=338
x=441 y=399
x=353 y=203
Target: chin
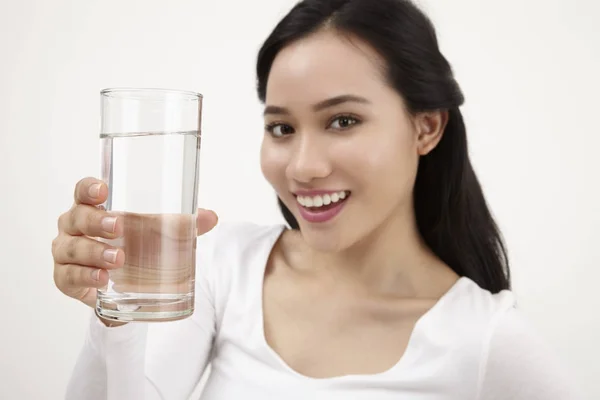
x=322 y=241
x=329 y=237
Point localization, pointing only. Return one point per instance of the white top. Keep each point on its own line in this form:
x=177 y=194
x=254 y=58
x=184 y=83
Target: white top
x=470 y=345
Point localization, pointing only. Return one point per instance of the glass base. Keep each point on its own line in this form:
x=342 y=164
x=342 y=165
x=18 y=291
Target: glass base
x=144 y=307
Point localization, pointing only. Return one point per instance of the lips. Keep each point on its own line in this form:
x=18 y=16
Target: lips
x=321 y=207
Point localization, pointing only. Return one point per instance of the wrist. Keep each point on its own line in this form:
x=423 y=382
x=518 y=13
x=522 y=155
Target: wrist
x=110 y=323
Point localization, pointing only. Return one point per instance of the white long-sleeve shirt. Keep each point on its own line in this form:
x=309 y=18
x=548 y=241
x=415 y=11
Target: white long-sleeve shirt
x=470 y=345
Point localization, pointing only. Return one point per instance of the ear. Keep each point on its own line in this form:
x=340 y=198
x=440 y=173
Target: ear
x=430 y=128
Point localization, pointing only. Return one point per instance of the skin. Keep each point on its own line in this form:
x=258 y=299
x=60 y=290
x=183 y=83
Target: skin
x=340 y=297
x=81 y=263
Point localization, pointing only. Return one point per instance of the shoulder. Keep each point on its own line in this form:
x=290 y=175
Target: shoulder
x=462 y=320
x=233 y=250
x=519 y=363
x=478 y=309
x=230 y=238
x=515 y=361
x=511 y=358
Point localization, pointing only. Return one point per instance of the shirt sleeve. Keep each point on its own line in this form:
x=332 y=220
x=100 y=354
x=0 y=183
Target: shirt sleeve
x=521 y=366
x=151 y=361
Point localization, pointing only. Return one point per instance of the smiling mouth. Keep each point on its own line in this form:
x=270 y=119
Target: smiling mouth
x=323 y=202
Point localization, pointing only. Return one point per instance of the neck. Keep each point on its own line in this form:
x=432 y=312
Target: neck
x=392 y=259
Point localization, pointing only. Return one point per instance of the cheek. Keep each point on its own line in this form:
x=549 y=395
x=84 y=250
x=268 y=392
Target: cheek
x=273 y=162
x=383 y=163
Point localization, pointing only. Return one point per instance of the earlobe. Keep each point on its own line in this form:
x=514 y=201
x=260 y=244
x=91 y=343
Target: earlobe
x=431 y=126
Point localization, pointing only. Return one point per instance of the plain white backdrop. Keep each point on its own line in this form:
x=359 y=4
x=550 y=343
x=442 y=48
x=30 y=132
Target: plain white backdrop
x=528 y=68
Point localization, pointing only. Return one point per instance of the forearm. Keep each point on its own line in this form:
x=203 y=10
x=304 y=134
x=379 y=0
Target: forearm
x=143 y=361
x=111 y=364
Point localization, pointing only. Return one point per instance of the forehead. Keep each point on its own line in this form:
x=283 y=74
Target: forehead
x=323 y=65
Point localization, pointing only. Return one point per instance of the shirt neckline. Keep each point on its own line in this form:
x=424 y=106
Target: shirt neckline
x=410 y=353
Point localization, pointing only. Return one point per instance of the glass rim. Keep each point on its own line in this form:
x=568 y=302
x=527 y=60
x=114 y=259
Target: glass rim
x=126 y=92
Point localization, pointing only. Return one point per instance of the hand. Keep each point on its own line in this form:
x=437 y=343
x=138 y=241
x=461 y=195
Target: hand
x=81 y=263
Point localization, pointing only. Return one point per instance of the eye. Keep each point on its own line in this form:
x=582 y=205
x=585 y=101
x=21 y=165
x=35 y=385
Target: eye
x=343 y=122
x=279 y=130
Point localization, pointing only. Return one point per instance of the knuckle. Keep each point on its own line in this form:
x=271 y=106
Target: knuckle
x=62 y=219
x=91 y=250
x=74 y=216
x=59 y=279
x=69 y=277
x=55 y=246
x=91 y=219
x=71 y=248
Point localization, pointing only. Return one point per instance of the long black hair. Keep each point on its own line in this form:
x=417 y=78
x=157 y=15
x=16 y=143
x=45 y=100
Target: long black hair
x=451 y=212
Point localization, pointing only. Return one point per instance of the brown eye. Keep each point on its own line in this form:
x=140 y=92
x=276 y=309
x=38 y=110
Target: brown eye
x=343 y=122
x=279 y=130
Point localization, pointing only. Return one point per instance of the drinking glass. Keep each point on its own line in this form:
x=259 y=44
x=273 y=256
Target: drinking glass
x=150 y=152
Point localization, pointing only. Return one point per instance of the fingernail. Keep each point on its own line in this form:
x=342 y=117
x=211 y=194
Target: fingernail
x=109 y=223
x=94 y=190
x=96 y=274
x=110 y=255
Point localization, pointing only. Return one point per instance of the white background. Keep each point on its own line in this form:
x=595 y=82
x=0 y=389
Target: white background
x=529 y=70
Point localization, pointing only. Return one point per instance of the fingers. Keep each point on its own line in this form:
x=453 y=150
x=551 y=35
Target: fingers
x=173 y=226
x=74 y=279
x=90 y=191
x=83 y=250
x=90 y=221
x=206 y=221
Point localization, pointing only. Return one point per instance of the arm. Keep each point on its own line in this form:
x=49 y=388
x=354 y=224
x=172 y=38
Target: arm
x=149 y=361
x=520 y=366
x=142 y=361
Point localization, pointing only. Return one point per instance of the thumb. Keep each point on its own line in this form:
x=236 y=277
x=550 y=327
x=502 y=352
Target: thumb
x=207 y=219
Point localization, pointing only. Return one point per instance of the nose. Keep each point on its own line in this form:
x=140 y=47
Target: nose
x=309 y=160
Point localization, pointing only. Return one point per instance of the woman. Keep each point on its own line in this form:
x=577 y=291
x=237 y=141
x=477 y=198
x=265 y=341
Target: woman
x=392 y=283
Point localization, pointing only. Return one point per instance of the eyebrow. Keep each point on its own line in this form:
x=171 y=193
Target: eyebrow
x=320 y=106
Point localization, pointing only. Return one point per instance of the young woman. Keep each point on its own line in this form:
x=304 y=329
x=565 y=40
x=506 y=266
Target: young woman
x=391 y=281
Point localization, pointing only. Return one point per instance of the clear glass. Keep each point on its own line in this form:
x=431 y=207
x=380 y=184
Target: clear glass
x=150 y=153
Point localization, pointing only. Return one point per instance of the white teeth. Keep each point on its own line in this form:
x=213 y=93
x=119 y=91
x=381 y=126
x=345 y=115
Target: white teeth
x=319 y=201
